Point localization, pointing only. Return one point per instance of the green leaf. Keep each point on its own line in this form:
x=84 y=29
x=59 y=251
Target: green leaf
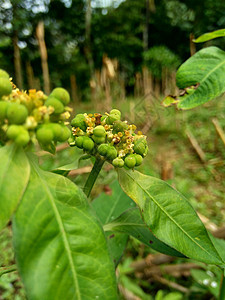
x=210 y=36
x=108 y=208
x=169 y=215
x=206 y=71
x=130 y=222
x=60 y=246
x=14 y=176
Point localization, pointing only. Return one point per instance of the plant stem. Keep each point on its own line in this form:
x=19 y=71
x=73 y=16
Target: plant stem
x=8 y=269
x=93 y=176
x=222 y=287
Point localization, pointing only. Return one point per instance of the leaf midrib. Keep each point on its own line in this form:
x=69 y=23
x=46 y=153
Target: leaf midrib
x=62 y=229
x=170 y=217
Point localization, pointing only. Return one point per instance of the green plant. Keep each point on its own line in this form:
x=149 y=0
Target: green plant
x=60 y=238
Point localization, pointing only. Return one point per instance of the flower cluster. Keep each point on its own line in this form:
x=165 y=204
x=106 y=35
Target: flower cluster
x=31 y=116
x=106 y=135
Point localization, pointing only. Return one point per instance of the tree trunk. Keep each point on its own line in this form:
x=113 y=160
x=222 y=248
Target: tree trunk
x=88 y=52
x=73 y=85
x=17 y=62
x=30 y=75
x=44 y=56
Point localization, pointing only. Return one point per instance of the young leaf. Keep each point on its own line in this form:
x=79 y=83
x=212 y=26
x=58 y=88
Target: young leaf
x=210 y=36
x=14 y=176
x=130 y=222
x=60 y=246
x=169 y=215
x=206 y=70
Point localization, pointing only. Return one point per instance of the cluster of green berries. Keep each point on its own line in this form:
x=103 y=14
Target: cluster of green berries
x=109 y=137
x=30 y=116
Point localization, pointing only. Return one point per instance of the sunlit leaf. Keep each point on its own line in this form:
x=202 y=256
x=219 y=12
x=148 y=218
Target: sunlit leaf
x=14 y=176
x=206 y=71
x=169 y=215
x=60 y=246
x=210 y=36
x=130 y=222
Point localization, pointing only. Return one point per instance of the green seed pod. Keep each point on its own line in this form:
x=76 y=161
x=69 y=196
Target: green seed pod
x=119 y=126
x=130 y=161
x=5 y=86
x=23 y=138
x=140 y=146
x=62 y=95
x=65 y=134
x=112 y=118
x=118 y=162
x=4 y=74
x=3 y=109
x=88 y=144
x=13 y=131
x=111 y=153
x=56 y=129
x=56 y=104
x=98 y=139
x=16 y=113
x=99 y=131
x=102 y=149
x=115 y=112
x=44 y=135
x=139 y=159
x=79 y=142
x=79 y=121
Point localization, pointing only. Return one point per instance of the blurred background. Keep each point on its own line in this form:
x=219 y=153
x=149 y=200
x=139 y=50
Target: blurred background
x=102 y=49
x=124 y=54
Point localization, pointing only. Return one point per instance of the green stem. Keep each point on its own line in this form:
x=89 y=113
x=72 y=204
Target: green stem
x=93 y=176
x=222 y=287
x=8 y=269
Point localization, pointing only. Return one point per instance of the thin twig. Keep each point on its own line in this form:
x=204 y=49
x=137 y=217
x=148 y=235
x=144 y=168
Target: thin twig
x=171 y=284
x=196 y=146
x=219 y=129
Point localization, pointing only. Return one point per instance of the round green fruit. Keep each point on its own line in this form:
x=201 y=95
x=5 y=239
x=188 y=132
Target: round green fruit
x=16 y=113
x=4 y=74
x=140 y=146
x=65 y=134
x=23 y=138
x=62 y=95
x=79 y=142
x=111 y=153
x=98 y=139
x=3 y=109
x=130 y=161
x=139 y=159
x=118 y=162
x=13 y=131
x=88 y=144
x=112 y=118
x=99 y=131
x=56 y=104
x=44 y=135
x=116 y=112
x=79 y=121
x=102 y=149
x=56 y=129
x=5 y=86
